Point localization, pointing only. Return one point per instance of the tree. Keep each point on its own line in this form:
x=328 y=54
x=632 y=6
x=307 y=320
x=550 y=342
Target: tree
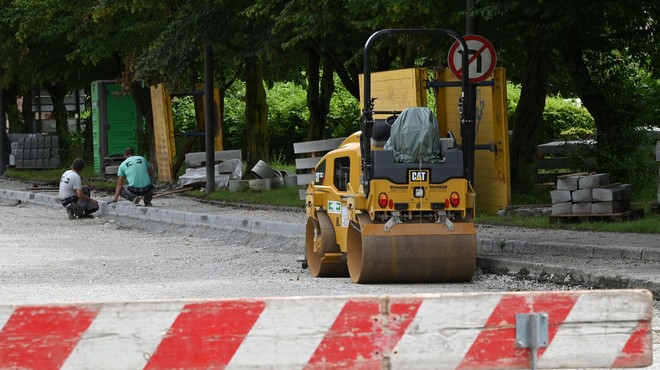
x=563 y=38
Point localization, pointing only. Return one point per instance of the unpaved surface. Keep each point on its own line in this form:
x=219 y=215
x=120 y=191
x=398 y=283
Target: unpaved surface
x=44 y=258
x=49 y=258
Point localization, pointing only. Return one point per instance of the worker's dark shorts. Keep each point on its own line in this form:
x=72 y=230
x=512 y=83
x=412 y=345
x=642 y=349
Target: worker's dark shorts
x=69 y=200
x=140 y=191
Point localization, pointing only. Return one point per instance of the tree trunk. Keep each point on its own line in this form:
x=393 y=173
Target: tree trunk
x=609 y=132
x=256 y=113
x=528 y=118
x=320 y=87
x=57 y=93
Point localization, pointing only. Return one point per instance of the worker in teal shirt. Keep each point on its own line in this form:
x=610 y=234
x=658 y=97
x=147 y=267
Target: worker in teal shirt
x=137 y=170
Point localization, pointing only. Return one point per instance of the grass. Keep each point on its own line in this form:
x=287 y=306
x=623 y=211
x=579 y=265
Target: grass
x=650 y=224
x=52 y=177
x=289 y=197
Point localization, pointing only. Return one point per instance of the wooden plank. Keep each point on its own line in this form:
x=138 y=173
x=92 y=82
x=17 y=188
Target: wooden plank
x=560 y=147
x=633 y=214
x=175 y=191
x=317 y=145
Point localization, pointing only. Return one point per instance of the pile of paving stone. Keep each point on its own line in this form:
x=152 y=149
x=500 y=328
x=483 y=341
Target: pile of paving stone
x=590 y=194
x=34 y=151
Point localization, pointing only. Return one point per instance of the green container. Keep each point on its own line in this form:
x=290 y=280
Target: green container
x=115 y=122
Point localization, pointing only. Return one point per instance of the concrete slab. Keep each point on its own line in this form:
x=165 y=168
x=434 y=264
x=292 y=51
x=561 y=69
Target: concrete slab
x=581 y=196
x=581 y=208
x=221 y=222
x=560 y=196
x=143 y=213
x=191 y=219
x=165 y=215
x=559 y=209
x=203 y=220
x=614 y=192
x=198 y=159
x=282 y=228
x=178 y=217
x=594 y=181
x=132 y=211
x=605 y=208
x=568 y=182
x=153 y=214
x=111 y=170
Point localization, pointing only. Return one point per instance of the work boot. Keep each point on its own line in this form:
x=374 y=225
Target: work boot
x=69 y=213
x=137 y=200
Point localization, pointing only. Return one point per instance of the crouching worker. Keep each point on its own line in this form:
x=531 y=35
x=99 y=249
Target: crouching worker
x=138 y=172
x=74 y=196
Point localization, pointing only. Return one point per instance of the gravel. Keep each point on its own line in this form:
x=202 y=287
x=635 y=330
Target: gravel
x=48 y=258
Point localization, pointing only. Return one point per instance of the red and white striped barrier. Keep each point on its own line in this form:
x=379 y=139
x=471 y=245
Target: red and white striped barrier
x=440 y=331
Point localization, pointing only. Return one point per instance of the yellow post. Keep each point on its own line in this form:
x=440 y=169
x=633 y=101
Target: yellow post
x=491 y=168
x=161 y=106
x=218 y=109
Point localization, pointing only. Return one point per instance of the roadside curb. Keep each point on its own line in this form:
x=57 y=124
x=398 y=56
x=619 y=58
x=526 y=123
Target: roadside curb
x=555 y=272
x=170 y=216
x=493 y=246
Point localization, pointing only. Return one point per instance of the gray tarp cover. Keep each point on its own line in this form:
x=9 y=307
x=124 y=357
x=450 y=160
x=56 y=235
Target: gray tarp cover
x=415 y=137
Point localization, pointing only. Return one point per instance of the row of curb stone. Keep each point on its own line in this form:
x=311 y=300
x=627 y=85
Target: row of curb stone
x=173 y=217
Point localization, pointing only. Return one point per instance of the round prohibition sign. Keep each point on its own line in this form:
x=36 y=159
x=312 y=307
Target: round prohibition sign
x=481 y=58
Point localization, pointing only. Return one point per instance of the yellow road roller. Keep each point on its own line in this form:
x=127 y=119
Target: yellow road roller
x=394 y=203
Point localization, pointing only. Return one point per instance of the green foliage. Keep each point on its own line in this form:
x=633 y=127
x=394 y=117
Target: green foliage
x=183 y=114
x=287 y=114
x=564 y=118
x=234 y=127
x=344 y=116
x=288 y=117
x=512 y=98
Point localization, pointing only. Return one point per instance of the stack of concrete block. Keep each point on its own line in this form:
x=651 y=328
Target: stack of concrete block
x=35 y=151
x=586 y=194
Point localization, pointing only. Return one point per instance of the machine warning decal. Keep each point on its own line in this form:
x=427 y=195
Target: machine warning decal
x=319 y=178
x=344 y=217
x=334 y=207
x=419 y=175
